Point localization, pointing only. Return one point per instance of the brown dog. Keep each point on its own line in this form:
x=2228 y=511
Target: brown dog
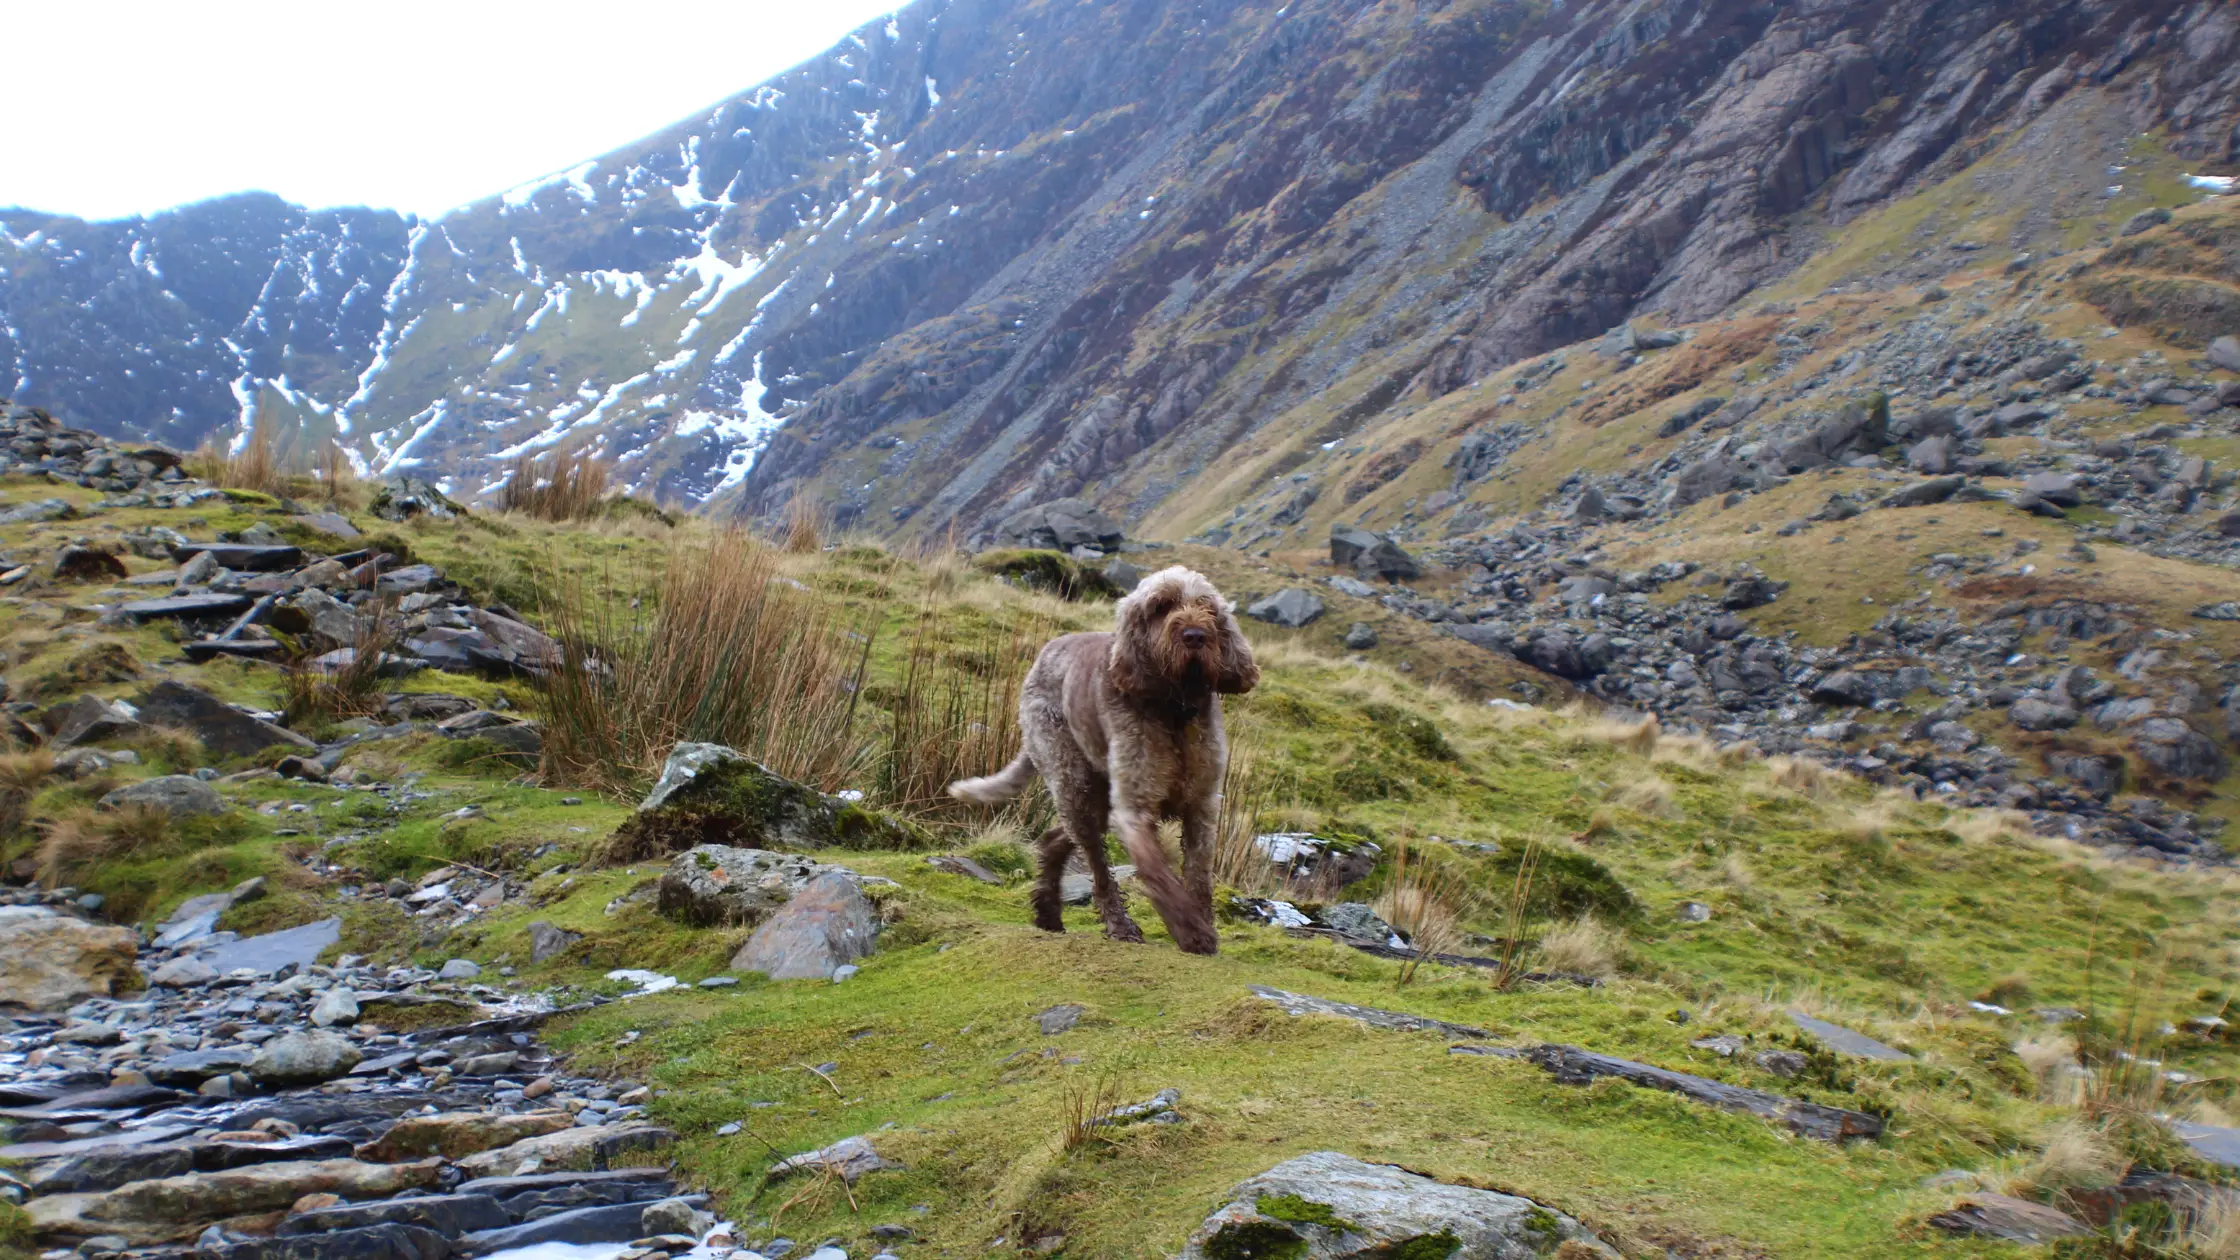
x=1126 y=725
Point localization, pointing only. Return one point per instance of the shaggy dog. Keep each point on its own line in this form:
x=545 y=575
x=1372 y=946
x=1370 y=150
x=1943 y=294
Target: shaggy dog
x=1125 y=726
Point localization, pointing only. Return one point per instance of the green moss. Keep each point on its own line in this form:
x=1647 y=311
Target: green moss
x=1423 y=1247
x=1299 y=1211
x=1256 y=1240
x=742 y=804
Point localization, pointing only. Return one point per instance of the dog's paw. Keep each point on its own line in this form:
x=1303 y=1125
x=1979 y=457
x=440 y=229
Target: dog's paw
x=1049 y=914
x=1124 y=929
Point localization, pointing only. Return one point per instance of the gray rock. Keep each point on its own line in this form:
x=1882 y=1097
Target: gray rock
x=296 y=947
x=223 y=729
x=2229 y=610
x=338 y=1005
x=2014 y=1220
x=2059 y=489
x=1061 y=525
x=2178 y=750
x=303 y=1058
x=197 y=917
x=828 y=923
x=547 y=941
x=1360 y=637
x=718 y=794
x=614 y=1222
x=1844 y=1041
x=184 y=972
x=2033 y=714
x=675 y=1216
x=458 y=969
x=192 y=1067
x=179 y=795
x=371 y=1242
x=850 y=1157
x=448 y=1214
x=404 y=497
x=90 y=720
x=1390 y=1021
x=2225 y=353
x=2152 y=217
x=1122 y=575
x=1329 y=1206
x=1924 y=493
x=1931 y=455
x=1291 y=607
x=1060 y=1018
x=718 y=885
x=1355 y=919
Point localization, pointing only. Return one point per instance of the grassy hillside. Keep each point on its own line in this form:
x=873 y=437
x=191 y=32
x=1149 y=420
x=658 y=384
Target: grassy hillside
x=1887 y=915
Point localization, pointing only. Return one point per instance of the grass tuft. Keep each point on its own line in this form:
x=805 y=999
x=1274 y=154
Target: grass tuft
x=560 y=485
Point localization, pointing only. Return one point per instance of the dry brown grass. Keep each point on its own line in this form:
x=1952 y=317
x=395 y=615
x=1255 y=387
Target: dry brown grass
x=1083 y=1106
x=1651 y=795
x=1238 y=862
x=21 y=776
x=338 y=479
x=568 y=484
x=805 y=525
x=1635 y=737
x=1582 y=947
x=256 y=466
x=1804 y=776
x=81 y=839
x=728 y=650
x=1426 y=903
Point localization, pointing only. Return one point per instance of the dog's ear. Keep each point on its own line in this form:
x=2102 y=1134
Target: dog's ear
x=1236 y=672
x=1132 y=670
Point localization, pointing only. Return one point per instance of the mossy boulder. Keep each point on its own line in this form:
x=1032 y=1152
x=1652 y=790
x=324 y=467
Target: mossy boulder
x=1050 y=572
x=710 y=794
x=1333 y=1207
x=1328 y=1206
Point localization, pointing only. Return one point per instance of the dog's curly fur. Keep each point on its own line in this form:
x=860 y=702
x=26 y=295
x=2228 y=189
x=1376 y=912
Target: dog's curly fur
x=1125 y=725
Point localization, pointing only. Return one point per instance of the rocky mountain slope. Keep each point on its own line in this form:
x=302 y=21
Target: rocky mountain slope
x=986 y=254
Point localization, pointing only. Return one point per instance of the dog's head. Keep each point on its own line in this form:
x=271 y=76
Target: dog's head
x=1175 y=632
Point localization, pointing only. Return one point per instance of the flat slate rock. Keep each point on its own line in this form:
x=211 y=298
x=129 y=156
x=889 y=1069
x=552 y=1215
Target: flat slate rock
x=1391 y=1021
x=108 y=1168
x=1844 y=1041
x=111 y=1098
x=2015 y=1220
x=221 y=727
x=297 y=946
x=1572 y=1066
x=448 y=1214
x=27 y=1151
x=504 y=1186
x=214 y=604
x=375 y=1242
x=252 y=557
x=2211 y=1142
x=614 y=1222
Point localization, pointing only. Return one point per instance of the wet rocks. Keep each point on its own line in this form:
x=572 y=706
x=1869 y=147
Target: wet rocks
x=1290 y=607
x=49 y=960
x=169 y=1208
x=592 y=1149
x=1331 y=1206
x=718 y=885
x=454 y=1134
x=303 y=1058
x=826 y=925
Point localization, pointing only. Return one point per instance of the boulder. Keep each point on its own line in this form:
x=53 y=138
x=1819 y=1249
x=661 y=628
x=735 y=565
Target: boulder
x=167 y=1208
x=2059 y=489
x=594 y=1148
x=179 y=795
x=2177 y=750
x=1360 y=637
x=50 y=961
x=447 y=1214
x=338 y=1005
x=402 y=498
x=825 y=926
x=223 y=729
x=2033 y=714
x=716 y=885
x=1751 y=590
x=1328 y=1206
x=303 y=1058
x=89 y=720
x=547 y=941
x=1924 y=493
x=2015 y=1220
x=2225 y=353
x=453 y=1134
x=1061 y=525
x=1291 y=607
x=88 y=564
x=1371 y=555
x=1931 y=455
x=709 y=794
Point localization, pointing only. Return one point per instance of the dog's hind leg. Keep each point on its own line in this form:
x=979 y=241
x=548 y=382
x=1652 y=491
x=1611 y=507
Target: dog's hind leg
x=1112 y=905
x=1199 y=835
x=1050 y=873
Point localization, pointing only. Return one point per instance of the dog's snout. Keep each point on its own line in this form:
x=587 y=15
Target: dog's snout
x=1194 y=636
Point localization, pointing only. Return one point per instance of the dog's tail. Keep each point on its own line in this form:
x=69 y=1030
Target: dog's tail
x=1000 y=786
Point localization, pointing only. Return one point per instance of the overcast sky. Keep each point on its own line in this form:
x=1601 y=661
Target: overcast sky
x=117 y=108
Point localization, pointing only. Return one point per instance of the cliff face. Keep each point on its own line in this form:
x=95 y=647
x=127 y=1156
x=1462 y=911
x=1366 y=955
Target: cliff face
x=990 y=252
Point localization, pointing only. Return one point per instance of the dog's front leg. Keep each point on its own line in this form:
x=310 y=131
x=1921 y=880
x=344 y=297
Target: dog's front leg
x=1192 y=930
x=1199 y=833
x=1050 y=873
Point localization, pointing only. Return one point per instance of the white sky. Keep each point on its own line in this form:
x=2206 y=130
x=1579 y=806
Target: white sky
x=120 y=107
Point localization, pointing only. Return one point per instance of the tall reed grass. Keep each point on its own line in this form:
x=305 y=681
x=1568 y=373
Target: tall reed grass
x=954 y=711
x=568 y=484
x=727 y=650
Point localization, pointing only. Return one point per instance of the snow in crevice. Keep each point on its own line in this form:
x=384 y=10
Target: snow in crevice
x=426 y=420
x=745 y=429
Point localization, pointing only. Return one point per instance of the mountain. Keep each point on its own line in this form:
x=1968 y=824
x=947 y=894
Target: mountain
x=987 y=253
